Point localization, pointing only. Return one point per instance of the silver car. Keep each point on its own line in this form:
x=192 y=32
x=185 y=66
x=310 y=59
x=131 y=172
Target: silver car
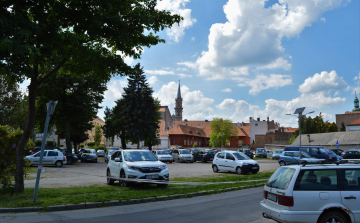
x=51 y=157
x=163 y=156
x=100 y=152
x=108 y=154
x=182 y=155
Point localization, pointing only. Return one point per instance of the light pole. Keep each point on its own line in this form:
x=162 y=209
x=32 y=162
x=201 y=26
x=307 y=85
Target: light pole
x=50 y=111
x=299 y=111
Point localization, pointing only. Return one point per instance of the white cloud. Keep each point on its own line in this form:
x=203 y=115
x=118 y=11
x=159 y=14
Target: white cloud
x=323 y=82
x=192 y=38
x=176 y=32
x=115 y=89
x=323 y=19
x=168 y=72
x=262 y=82
x=226 y=90
x=152 y=80
x=197 y=105
x=252 y=35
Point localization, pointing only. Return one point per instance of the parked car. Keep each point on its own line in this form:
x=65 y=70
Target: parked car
x=133 y=164
x=204 y=156
x=50 y=157
x=38 y=148
x=100 y=152
x=313 y=193
x=337 y=151
x=182 y=155
x=269 y=153
x=168 y=151
x=89 y=155
x=70 y=157
x=314 y=151
x=247 y=152
x=234 y=161
x=293 y=157
x=351 y=155
x=339 y=158
x=114 y=148
x=216 y=151
x=261 y=152
x=163 y=156
x=194 y=151
x=108 y=155
x=276 y=154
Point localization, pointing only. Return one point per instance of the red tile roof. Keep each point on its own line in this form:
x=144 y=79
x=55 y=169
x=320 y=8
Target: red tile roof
x=356 y=122
x=162 y=109
x=187 y=130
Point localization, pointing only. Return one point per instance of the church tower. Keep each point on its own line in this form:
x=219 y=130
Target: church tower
x=356 y=104
x=178 y=106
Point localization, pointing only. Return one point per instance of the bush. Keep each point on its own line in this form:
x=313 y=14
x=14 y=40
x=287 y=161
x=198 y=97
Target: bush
x=50 y=143
x=38 y=142
x=194 y=146
x=82 y=146
x=180 y=147
x=99 y=147
x=8 y=140
x=91 y=144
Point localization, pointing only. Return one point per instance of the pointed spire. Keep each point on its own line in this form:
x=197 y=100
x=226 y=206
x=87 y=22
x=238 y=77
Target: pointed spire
x=179 y=92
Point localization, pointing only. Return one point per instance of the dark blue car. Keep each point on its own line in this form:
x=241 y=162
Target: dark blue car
x=318 y=152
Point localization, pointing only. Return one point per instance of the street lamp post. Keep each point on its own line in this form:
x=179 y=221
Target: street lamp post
x=50 y=111
x=299 y=111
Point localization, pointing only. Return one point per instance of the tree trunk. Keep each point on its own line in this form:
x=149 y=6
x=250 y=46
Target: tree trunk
x=67 y=137
x=123 y=140
x=138 y=144
x=20 y=148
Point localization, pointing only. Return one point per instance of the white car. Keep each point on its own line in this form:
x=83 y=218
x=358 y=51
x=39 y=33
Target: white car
x=136 y=164
x=51 y=157
x=182 y=155
x=163 y=156
x=234 y=161
x=313 y=193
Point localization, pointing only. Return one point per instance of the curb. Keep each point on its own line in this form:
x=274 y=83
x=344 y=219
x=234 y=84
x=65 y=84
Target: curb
x=68 y=207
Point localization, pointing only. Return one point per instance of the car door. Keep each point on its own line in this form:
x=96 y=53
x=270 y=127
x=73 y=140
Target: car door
x=230 y=163
x=50 y=157
x=112 y=164
x=36 y=158
x=350 y=191
x=220 y=160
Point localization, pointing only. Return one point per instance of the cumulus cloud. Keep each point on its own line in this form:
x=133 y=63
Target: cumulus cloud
x=115 y=89
x=197 y=106
x=323 y=19
x=176 y=32
x=262 y=82
x=226 y=90
x=152 y=80
x=252 y=35
x=323 y=82
x=168 y=71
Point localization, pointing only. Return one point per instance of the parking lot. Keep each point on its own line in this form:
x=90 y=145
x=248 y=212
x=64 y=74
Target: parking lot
x=85 y=174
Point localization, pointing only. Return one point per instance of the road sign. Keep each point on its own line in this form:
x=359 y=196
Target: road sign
x=177 y=146
x=337 y=143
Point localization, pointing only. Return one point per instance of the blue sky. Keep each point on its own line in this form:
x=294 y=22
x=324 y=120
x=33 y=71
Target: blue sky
x=239 y=58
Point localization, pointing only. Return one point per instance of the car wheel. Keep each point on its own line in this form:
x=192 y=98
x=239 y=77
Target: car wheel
x=162 y=185
x=333 y=216
x=170 y=162
x=108 y=179
x=95 y=161
x=58 y=164
x=238 y=170
x=215 y=168
x=255 y=172
x=178 y=160
x=70 y=161
x=282 y=163
x=122 y=183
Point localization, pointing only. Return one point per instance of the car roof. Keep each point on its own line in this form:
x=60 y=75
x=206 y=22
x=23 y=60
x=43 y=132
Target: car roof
x=325 y=166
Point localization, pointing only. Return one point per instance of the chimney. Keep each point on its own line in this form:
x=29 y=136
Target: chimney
x=206 y=120
x=258 y=119
x=239 y=124
x=308 y=138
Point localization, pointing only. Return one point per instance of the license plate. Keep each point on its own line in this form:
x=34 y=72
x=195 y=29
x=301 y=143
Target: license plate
x=255 y=167
x=152 y=176
x=272 y=197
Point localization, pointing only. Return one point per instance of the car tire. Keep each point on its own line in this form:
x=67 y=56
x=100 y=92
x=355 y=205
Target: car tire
x=215 y=168
x=109 y=180
x=58 y=163
x=238 y=170
x=70 y=161
x=178 y=160
x=282 y=163
x=333 y=216
x=95 y=161
x=170 y=162
x=122 y=183
x=254 y=172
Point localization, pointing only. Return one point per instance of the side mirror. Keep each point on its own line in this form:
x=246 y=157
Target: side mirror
x=118 y=159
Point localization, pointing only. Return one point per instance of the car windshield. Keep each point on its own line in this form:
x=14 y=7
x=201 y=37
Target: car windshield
x=161 y=153
x=111 y=152
x=134 y=156
x=331 y=152
x=278 y=151
x=281 y=178
x=184 y=151
x=210 y=152
x=261 y=150
x=195 y=150
x=323 y=150
x=241 y=156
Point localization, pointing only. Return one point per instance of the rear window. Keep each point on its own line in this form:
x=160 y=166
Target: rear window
x=281 y=178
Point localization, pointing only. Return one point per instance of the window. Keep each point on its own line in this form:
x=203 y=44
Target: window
x=188 y=142
x=159 y=141
x=229 y=156
x=240 y=142
x=350 y=179
x=38 y=154
x=281 y=178
x=114 y=155
x=52 y=153
x=174 y=142
x=228 y=143
x=317 y=180
x=185 y=142
x=256 y=124
x=221 y=155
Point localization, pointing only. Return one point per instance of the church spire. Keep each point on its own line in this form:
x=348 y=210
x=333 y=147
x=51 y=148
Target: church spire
x=356 y=103
x=179 y=92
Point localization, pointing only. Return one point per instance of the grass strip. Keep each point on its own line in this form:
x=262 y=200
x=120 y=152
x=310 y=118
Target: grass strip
x=74 y=195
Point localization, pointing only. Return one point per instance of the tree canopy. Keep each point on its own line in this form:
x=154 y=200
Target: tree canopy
x=221 y=131
x=40 y=38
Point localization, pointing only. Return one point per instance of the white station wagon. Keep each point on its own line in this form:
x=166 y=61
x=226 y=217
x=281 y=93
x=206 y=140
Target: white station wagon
x=313 y=193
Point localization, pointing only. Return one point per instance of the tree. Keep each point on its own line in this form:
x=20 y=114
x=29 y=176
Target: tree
x=98 y=135
x=40 y=38
x=221 y=131
x=140 y=112
x=343 y=128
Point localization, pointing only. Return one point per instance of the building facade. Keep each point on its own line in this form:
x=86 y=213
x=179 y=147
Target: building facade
x=349 y=116
x=178 y=106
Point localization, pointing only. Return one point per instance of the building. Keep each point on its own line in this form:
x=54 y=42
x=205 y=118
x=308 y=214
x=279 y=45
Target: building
x=96 y=122
x=281 y=136
x=328 y=140
x=178 y=106
x=242 y=137
x=348 y=117
x=353 y=126
x=166 y=116
x=187 y=136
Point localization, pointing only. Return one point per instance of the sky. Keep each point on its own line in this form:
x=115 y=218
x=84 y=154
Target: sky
x=237 y=59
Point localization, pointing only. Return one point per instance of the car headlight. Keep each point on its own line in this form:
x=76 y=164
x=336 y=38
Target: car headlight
x=133 y=167
x=163 y=167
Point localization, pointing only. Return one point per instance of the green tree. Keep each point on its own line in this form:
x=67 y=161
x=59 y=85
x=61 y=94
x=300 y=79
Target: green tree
x=333 y=127
x=343 y=128
x=40 y=38
x=98 y=135
x=140 y=112
x=221 y=131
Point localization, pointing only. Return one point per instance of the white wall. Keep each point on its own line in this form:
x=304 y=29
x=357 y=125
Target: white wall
x=257 y=128
x=350 y=128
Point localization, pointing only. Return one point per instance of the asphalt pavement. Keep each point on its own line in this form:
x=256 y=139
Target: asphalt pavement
x=235 y=206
